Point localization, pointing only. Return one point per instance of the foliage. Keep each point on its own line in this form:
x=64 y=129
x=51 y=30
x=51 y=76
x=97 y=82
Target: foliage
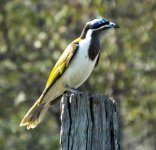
x=33 y=34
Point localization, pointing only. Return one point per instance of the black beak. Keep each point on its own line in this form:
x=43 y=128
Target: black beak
x=116 y=26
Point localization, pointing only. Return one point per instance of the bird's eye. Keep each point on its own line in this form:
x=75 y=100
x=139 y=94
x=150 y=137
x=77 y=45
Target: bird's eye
x=100 y=23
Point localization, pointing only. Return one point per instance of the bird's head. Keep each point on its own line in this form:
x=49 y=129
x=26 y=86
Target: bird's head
x=101 y=24
x=97 y=25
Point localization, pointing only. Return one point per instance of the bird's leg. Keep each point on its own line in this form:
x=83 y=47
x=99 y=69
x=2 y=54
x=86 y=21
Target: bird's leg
x=73 y=90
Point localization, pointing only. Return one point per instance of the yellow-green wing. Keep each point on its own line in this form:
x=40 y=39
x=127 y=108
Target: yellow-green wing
x=61 y=65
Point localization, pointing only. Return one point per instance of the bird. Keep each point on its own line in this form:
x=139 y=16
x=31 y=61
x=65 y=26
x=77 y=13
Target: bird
x=71 y=70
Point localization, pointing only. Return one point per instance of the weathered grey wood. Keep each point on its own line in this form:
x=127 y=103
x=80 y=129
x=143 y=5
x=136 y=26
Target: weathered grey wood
x=89 y=122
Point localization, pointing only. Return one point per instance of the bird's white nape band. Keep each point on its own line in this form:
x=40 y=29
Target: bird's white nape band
x=94 y=21
x=89 y=33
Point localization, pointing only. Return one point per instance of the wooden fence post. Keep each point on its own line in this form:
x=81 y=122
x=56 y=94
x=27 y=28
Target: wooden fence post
x=89 y=122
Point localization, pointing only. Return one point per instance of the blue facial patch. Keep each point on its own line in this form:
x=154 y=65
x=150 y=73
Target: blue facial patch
x=97 y=23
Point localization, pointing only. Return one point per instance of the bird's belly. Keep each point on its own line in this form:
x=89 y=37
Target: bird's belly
x=78 y=71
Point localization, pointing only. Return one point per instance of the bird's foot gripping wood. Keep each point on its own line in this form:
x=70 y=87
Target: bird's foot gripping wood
x=73 y=90
x=76 y=91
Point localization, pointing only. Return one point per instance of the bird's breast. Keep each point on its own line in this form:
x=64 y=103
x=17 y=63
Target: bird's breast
x=80 y=67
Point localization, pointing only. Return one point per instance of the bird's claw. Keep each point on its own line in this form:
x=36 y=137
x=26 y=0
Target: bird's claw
x=74 y=91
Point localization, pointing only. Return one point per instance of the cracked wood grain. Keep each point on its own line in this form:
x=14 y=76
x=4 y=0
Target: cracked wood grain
x=89 y=122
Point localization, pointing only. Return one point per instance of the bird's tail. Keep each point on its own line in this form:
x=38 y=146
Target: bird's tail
x=35 y=115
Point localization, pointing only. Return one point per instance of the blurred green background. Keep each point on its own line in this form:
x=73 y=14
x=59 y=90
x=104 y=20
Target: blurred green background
x=34 y=33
